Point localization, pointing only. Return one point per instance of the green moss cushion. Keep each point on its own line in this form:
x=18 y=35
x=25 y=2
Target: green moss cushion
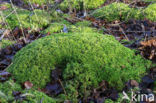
x=34 y=20
x=12 y=20
x=83 y=23
x=40 y=2
x=7 y=89
x=78 y=4
x=148 y=0
x=56 y=27
x=4 y=43
x=37 y=97
x=32 y=96
x=85 y=59
x=114 y=11
x=6 y=5
x=121 y=11
x=1 y=19
x=150 y=12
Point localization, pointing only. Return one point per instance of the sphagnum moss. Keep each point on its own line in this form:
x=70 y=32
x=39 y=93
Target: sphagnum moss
x=4 y=43
x=121 y=11
x=34 y=20
x=150 y=12
x=40 y=2
x=114 y=11
x=81 y=4
x=85 y=59
x=33 y=96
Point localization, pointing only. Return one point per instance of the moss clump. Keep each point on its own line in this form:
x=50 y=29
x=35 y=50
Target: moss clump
x=4 y=43
x=7 y=89
x=32 y=96
x=155 y=86
x=34 y=20
x=13 y=21
x=148 y=0
x=79 y=4
x=37 y=97
x=115 y=11
x=85 y=59
x=42 y=18
x=136 y=14
x=1 y=20
x=119 y=100
x=83 y=29
x=40 y=2
x=83 y=23
x=56 y=27
x=150 y=12
x=6 y=5
x=121 y=11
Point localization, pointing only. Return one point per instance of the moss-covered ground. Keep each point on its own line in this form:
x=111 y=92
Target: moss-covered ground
x=4 y=43
x=122 y=11
x=74 y=53
x=84 y=54
x=35 y=20
x=8 y=89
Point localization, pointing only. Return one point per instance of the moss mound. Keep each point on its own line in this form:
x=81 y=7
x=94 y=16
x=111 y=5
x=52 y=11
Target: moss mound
x=34 y=20
x=37 y=97
x=85 y=59
x=116 y=11
x=4 y=43
x=7 y=89
x=40 y=2
x=80 y=4
x=57 y=27
x=148 y=0
x=12 y=20
x=150 y=12
x=83 y=23
x=6 y=5
x=121 y=11
x=32 y=96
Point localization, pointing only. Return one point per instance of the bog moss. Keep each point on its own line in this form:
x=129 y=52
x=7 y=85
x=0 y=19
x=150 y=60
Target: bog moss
x=121 y=11
x=6 y=91
x=85 y=59
x=4 y=43
x=34 y=20
x=57 y=27
x=150 y=12
x=6 y=5
x=80 y=4
x=114 y=11
x=83 y=23
x=32 y=96
x=40 y=2
x=12 y=20
x=37 y=97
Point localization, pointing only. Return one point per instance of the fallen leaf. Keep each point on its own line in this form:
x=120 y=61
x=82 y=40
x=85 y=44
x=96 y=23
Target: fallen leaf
x=28 y=85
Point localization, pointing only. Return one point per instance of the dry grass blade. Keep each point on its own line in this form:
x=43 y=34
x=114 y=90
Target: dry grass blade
x=7 y=26
x=18 y=20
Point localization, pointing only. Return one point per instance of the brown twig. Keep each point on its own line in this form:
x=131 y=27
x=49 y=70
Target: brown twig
x=62 y=87
x=123 y=33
